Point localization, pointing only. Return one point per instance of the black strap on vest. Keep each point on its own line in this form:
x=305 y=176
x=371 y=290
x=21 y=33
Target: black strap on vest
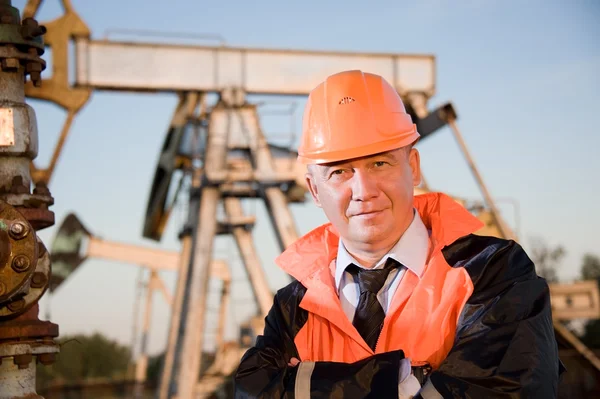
x=421 y=373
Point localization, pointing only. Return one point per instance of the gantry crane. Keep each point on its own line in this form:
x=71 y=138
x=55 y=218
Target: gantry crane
x=229 y=158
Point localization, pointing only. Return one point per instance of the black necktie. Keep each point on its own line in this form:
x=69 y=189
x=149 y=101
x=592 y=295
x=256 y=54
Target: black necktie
x=369 y=315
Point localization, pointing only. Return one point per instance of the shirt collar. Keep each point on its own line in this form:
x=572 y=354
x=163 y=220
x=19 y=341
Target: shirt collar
x=412 y=250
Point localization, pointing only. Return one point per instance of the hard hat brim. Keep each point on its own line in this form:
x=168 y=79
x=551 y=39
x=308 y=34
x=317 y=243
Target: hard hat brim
x=359 y=152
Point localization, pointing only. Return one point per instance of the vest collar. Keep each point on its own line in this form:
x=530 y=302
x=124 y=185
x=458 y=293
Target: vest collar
x=446 y=218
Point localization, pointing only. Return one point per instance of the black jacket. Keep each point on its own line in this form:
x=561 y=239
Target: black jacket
x=504 y=347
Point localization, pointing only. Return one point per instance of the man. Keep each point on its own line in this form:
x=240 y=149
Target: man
x=395 y=296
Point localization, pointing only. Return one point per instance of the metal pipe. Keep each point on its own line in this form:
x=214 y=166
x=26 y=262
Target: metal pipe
x=18 y=135
x=14 y=381
x=24 y=260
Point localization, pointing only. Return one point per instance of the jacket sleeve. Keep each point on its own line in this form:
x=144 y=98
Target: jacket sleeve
x=505 y=345
x=264 y=372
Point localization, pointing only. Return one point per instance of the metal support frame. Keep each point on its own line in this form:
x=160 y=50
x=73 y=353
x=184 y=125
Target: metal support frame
x=154 y=282
x=446 y=115
x=499 y=221
x=577 y=344
x=578 y=300
x=57 y=88
x=193 y=317
x=113 y=65
x=186 y=367
x=233 y=128
x=181 y=303
x=68 y=247
x=243 y=238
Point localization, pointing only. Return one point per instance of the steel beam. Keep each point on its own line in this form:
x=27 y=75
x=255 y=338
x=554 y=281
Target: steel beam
x=127 y=66
x=588 y=354
x=168 y=371
x=252 y=263
x=275 y=200
x=281 y=217
x=142 y=362
x=153 y=258
x=194 y=316
x=185 y=352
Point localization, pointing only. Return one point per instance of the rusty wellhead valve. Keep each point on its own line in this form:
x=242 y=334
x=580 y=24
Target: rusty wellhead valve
x=24 y=261
x=21 y=46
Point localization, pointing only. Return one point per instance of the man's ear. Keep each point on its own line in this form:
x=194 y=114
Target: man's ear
x=414 y=159
x=312 y=187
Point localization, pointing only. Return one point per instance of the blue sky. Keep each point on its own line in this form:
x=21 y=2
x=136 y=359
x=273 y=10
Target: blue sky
x=523 y=77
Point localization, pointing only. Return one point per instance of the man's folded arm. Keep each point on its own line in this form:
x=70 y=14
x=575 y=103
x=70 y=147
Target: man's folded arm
x=505 y=345
x=264 y=371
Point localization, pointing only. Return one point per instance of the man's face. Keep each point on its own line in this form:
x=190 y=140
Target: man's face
x=368 y=200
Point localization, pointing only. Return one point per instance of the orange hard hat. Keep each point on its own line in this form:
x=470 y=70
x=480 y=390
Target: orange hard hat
x=353 y=114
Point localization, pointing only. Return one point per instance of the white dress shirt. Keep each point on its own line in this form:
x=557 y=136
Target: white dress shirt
x=411 y=251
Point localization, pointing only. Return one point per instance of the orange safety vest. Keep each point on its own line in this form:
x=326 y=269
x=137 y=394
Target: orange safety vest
x=424 y=312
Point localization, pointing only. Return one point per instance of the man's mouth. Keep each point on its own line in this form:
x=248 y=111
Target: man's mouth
x=367 y=213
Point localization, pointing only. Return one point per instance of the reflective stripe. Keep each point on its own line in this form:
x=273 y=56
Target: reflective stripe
x=429 y=392
x=302 y=388
x=409 y=387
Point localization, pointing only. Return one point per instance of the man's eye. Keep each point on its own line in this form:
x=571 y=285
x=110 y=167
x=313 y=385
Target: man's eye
x=336 y=173
x=380 y=163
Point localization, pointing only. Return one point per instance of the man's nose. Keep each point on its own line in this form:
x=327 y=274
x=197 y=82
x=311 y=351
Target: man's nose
x=364 y=186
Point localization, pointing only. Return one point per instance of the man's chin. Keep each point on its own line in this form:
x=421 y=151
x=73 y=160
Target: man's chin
x=369 y=235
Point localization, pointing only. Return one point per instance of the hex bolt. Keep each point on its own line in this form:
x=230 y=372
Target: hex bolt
x=34 y=70
x=18 y=186
x=46 y=358
x=23 y=360
x=38 y=280
x=2 y=288
x=21 y=263
x=18 y=230
x=41 y=189
x=36 y=78
x=16 y=305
